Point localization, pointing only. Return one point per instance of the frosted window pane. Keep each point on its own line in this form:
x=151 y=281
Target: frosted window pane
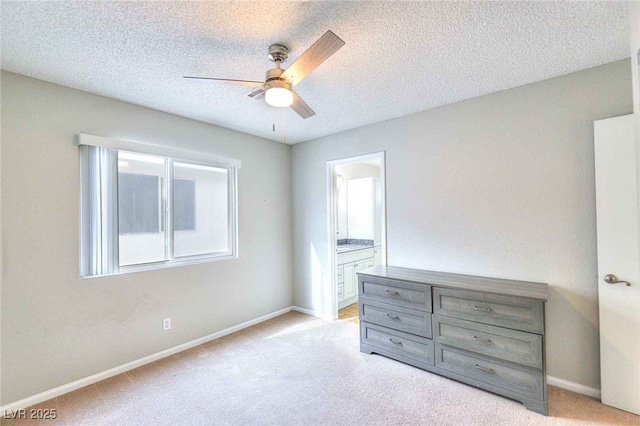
x=140 y=209
x=184 y=205
x=201 y=210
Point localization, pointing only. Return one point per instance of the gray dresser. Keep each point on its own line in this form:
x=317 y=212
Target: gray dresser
x=486 y=332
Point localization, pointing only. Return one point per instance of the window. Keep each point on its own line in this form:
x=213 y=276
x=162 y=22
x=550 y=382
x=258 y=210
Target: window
x=203 y=189
x=139 y=203
x=184 y=196
x=143 y=211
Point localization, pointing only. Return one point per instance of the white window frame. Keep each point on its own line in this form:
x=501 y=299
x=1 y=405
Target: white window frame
x=99 y=235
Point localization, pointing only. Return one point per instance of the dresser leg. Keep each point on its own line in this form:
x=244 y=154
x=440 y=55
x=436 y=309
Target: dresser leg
x=537 y=406
x=366 y=349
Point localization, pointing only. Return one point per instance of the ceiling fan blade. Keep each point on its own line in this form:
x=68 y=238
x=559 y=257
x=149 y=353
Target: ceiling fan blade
x=301 y=107
x=228 y=81
x=319 y=52
x=256 y=93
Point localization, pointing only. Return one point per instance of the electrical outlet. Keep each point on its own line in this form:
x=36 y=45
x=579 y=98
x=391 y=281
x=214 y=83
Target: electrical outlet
x=166 y=324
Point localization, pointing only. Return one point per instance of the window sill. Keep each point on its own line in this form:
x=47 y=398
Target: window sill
x=162 y=265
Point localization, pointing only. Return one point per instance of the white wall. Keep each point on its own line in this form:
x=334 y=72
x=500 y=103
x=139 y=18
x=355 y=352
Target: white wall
x=342 y=225
x=360 y=208
x=57 y=328
x=501 y=186
x=349 y=171
x=357 y=170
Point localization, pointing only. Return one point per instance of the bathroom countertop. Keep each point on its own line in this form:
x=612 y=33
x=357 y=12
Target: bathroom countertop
x=344 y=248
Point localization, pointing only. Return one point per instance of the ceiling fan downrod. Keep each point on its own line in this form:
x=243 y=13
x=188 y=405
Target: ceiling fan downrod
x=278 y=53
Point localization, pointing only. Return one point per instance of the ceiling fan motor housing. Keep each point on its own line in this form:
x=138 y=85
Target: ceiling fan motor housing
x=278 y=53
x=273 y=74
x=277 y=82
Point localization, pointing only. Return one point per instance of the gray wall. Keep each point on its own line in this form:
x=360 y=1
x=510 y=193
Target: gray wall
x=634 y=24
x=1 y=244
x=501 y=185
x=57 y=328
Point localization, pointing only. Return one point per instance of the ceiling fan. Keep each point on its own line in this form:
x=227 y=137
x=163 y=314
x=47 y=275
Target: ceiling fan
x=277 y=87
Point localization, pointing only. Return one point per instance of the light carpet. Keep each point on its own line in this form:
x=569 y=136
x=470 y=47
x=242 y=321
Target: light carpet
x=300 y=370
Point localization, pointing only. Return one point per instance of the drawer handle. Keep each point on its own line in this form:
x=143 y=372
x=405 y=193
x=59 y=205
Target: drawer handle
x=393 y=293
x=485 y=369
x=476 y=308
x=481 y=340
x=396 y=342
x=395 y=317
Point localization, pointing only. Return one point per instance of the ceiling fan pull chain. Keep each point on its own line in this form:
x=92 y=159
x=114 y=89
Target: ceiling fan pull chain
x=284 y=126
x=273 y=120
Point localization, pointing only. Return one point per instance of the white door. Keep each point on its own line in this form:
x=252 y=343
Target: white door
x=618 y=262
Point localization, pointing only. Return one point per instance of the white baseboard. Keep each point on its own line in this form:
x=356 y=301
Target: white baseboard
x=70 y=387
x=306 y=311
x=573 y=387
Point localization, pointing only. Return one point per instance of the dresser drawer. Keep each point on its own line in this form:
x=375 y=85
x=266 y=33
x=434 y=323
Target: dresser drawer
x=521 y=380
x=510 y=345
x=396 y=317
x=504 y=311
x=399 y=293
x=404 y=344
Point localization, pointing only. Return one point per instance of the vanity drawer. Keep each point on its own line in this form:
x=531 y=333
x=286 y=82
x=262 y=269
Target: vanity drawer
x=393 y=341
x=509 y=345
x=354 y=256
x=396 y=317
x=522 y=380
x=399 y=293
x=504 y=311
x=340 y=273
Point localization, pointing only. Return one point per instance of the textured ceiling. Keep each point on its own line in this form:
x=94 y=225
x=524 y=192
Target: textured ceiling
x=399 y=57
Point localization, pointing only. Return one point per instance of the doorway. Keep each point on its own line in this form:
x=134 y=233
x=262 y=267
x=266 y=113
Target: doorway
x=356 y=194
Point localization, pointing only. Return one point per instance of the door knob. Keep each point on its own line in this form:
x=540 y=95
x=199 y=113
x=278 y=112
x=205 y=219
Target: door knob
x=612 y=279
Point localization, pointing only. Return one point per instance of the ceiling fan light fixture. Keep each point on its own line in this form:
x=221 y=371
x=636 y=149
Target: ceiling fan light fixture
x=277 y=86
x=278 y=93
